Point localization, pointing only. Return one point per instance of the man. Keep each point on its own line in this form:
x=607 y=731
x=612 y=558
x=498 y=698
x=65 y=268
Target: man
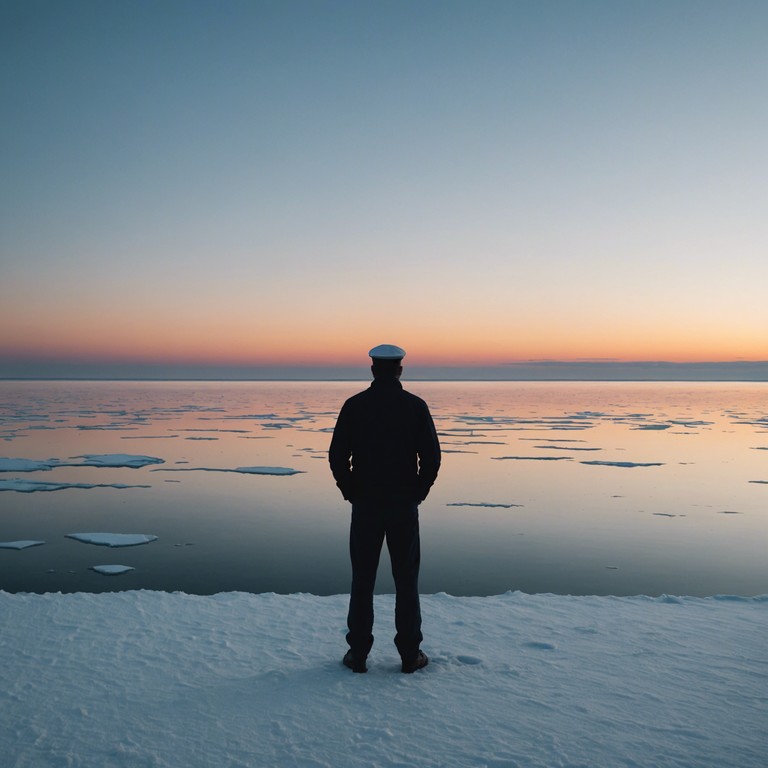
x=385 y=457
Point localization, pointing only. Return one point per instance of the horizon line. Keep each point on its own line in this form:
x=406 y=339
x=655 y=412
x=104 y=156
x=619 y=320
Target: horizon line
x=603 y=379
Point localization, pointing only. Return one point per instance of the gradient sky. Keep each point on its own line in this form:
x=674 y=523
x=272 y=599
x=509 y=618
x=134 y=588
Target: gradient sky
x=289 y=183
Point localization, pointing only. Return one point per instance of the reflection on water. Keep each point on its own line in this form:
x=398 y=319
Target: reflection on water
x=572 y=488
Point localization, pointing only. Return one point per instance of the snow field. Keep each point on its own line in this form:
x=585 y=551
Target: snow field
x=157 y=679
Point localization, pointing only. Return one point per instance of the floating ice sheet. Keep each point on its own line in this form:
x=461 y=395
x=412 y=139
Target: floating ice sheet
x=26 y=544
x=481 y=504
x=531 y=458
x=113 y=539
x=242 y=470
x=8 y=464
x=625 y=463
x=113 y=460
x=566 y=448
x=118 y=460
x=112 y=570
x=31 y=486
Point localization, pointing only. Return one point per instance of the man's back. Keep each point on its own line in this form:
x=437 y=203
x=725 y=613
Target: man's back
x=385 y=445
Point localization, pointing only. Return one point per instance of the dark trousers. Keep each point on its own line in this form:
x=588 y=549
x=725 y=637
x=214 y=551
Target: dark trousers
x=372 y=522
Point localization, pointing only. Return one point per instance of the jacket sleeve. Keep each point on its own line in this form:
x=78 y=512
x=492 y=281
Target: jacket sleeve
x=429 y=456
x=340 y=453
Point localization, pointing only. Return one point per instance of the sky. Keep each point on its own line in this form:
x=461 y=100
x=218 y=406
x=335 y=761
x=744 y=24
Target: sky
x=273 y=186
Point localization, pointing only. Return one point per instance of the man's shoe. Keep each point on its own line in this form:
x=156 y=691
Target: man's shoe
x=354 y=664
x=418 y=662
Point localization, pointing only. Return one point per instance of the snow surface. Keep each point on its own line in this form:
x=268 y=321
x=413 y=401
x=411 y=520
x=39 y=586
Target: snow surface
x=156 y=679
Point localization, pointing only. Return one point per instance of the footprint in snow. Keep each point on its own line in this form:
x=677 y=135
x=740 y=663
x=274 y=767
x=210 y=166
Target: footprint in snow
x=540 y=646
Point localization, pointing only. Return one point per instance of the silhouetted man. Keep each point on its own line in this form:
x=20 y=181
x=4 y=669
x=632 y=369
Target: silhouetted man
x=385 y=457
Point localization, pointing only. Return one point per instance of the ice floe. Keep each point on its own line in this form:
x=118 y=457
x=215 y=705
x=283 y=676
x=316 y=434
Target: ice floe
x=624 y=463
x=112 y=570
x=242 y=470
x=566 y=448
x=532 y=458
x=484 y=442
x=113 y=539
x=25 y=544
x=481 y=504
x=31 y=486
x=113 y=460
x=26 y=465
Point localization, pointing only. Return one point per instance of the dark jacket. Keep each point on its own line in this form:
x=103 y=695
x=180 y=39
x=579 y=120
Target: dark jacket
x=384 y=445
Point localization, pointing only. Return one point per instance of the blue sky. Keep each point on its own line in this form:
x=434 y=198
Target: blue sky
x=290 y=183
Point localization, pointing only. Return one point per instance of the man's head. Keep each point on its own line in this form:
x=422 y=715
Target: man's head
x=386 y=361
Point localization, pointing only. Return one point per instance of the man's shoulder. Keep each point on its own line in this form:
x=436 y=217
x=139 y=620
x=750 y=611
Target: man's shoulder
x=371 y=396
x=358 y=397
x=415 y=399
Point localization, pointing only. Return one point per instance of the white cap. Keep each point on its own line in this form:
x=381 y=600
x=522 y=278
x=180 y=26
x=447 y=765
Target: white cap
x=387 y=352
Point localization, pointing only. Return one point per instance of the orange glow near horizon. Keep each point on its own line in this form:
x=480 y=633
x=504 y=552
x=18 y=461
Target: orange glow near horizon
x=217 y=334
x=257 y=351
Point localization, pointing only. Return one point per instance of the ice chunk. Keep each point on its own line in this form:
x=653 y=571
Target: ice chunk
x=267 y=470
x=20 y=544
x=30 y=486
x=481 y=504
x=242 y=470
x=624 y=463
x=117 y=460
x=112 y=570
x=113 y=539
x=531 y=458
x=90 y=460
x=26 y=465
x=566 y=448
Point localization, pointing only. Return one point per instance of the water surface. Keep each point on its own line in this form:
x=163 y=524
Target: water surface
x=571 y=488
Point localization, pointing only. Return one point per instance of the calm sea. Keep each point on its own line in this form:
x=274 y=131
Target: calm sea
x=571 y=488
